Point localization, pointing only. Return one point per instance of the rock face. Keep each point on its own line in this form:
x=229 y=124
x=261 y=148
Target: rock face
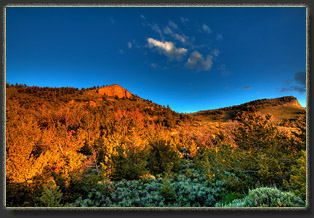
x=295 y=103
x=115 y=90
x=291 y=101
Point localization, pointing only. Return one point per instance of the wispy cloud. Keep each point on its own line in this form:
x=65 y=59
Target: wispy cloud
x=167 y=48
x=171 y=35
x=298 y=84
x=219 y=37
x=223 y=70
x=173 y=25
x=153 y=26
x=206 y=28
x=133 y=44
x=168 y=30
x=197 y=61
x=154 y=65
x=300 y=78
x=112 y=20
x=215 y=52
x=182 y=38
x=246 y=87
x=184 y=20
x=301 y=90
x=156 y=28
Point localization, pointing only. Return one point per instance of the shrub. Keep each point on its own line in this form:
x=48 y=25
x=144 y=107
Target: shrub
x=179 y=191
x=128 y=164
x=297 y=181
x=82 y=184
x=196 y=191
x=269 y=153
x=124 y=193
x=167 y=192
x=163 y=157
x=267 y=197
x=51 y=195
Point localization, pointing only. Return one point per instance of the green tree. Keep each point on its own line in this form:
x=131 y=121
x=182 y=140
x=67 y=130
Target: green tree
x=270 y=154
x=51 y=195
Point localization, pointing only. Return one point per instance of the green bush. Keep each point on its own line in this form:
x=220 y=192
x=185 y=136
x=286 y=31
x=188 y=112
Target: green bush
x=82 y=184
x=136 y=193
x=297 y=181
x=180 y=191
x=128 y=164
x=51 y=195
x=163 y=158
x=268 y=154
x=196 y=192
x=267 y=197
x=167 y=192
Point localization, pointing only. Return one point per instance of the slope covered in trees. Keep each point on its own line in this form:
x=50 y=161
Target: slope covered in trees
x=70 y=147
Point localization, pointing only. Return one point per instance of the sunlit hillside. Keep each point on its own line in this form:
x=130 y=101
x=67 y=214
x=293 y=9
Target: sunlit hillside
x=107 y=147
x=285 y=109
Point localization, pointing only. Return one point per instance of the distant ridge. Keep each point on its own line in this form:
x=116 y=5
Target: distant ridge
x=286 y=107
x=285 y=100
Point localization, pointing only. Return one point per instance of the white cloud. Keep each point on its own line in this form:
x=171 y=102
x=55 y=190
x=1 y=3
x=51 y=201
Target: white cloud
x=219 y=37
x=143 y=17
x=197 y=61
x=173 y=25
x=167 y=48
x=206 y=28
x=194 y=58
x=129 y=45
x=207 y=64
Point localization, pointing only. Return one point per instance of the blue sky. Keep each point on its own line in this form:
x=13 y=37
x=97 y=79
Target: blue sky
x=192 y=59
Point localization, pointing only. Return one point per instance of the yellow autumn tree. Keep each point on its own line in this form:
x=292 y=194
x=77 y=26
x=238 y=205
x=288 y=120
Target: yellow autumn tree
x=22 y=135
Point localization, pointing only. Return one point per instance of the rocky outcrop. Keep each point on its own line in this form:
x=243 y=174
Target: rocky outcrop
x=115 y=90
x=290 y=101
x=295 y=103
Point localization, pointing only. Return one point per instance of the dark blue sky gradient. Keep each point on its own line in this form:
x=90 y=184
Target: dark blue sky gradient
x=239 y=54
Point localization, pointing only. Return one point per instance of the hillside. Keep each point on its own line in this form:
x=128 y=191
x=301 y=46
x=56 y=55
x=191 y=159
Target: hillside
x=107 y=147
x=110 y=99
x=283 y=110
